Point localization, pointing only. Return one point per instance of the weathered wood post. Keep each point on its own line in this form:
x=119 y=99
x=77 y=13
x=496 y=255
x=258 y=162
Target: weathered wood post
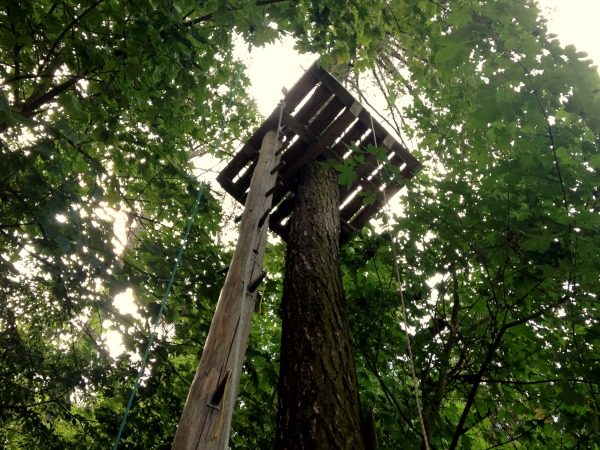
x=206 y=418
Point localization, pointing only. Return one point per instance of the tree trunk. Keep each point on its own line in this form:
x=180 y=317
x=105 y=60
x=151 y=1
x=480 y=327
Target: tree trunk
x=318 y=406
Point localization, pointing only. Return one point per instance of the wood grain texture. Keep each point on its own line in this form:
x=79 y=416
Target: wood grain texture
x=203 y=426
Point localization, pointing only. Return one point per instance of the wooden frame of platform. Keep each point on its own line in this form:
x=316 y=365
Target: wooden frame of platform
x=322 y=119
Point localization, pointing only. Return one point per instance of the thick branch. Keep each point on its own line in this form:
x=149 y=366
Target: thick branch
x=66 y=30
x=460 y=428
x=33 y=103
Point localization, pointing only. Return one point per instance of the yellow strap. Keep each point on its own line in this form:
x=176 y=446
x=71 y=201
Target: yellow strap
x=216 y=435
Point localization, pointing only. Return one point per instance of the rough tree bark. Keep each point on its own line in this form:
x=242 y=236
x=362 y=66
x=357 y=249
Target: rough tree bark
x=318 y=405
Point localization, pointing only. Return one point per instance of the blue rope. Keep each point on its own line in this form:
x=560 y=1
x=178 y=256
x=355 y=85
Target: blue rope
x=158 y=317
x=170 y=284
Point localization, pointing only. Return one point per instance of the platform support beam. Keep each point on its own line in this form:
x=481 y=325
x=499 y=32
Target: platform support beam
x=206 y=418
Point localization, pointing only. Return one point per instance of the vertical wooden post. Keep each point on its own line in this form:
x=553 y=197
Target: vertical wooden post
x=206 y=417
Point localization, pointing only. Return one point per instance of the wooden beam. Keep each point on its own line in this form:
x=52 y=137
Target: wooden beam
x=364 y=116
x=296 y=126
x=311 y=107
x=206 y=418
x=313 y=151
x=360 y=219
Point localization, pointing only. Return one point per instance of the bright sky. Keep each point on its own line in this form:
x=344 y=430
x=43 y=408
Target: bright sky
x=575 y=22
x=277 y=66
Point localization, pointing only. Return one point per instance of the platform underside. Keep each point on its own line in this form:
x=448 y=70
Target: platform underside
x=321 y=119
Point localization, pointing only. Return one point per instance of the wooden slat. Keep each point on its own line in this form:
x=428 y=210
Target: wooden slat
x=313 y=151
x=243 y=183
x=312 y=105
x=296 y=126
x=367 y=212
x=362 y=172
x=238 y=162
x=229 y=187
x=347 y=231
x=374 y=184
x=283 y=210
x=299 y=148
x=365 y=117
x=299 y=90
x=325 y=115
x=282 y=230
x=338 y=150
x=351 y=208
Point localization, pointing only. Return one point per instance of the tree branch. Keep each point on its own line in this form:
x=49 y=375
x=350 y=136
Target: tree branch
x=475 y=387
x=33 y=103
x=209 y=16
x=48 y=57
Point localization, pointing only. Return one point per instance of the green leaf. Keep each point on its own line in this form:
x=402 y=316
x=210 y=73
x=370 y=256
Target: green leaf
x=347 y=176
x=594 y=161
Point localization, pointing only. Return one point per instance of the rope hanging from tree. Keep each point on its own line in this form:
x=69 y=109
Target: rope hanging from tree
x=173 y=273
x=404 y=314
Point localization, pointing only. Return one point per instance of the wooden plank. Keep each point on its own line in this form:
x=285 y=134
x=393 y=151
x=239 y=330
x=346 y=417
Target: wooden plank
x=298 y=128
x=316 y=101
x=326 y=115
x=352 y=211
x=350 y=208
x=203 y=426
x=238 y=162
x=347 y=232
x=364 y=116
x=365 y=215
x=288 y=157
x=283 y=210
x=341 y=148
x=316 y=149
x=363 y=181
x=230 y=187
x=362 y=172
x=410 y=160
x=351 y=136
x=299 y=148
x=243 y=182
x=301 y=88
x=281 y=229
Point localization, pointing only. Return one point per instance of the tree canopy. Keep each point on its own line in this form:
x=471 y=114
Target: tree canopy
x=103 y=104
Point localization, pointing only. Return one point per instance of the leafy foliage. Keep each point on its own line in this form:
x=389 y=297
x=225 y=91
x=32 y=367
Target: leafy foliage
x=102 y=104
x=499 y=254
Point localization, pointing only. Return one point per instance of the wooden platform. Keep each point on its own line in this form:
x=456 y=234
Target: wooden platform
x=321 y=118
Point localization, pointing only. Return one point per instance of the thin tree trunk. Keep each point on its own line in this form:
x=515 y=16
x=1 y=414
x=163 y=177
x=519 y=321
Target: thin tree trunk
x=318 y=406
